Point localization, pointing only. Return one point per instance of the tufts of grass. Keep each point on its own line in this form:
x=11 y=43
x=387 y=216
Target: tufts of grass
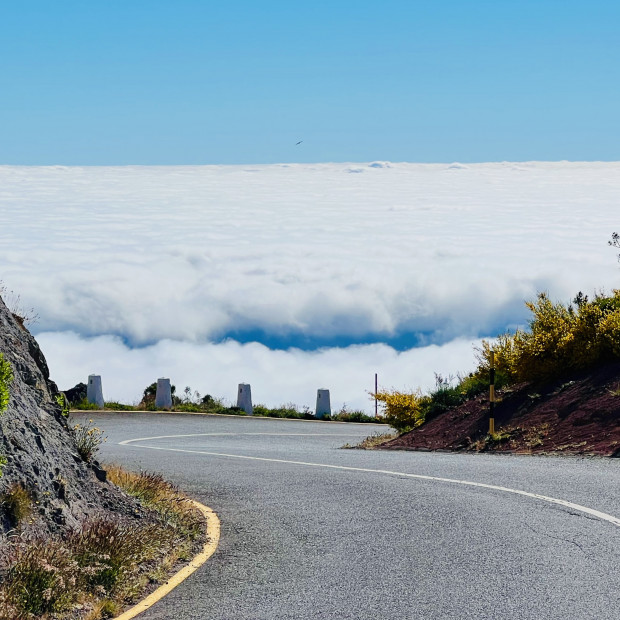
x=174 y=508
x=119 y=406
x=104 y=564
x=373 y=441
x=84 y=405
x=492 y=440
x=39 y=578
x=16 y=504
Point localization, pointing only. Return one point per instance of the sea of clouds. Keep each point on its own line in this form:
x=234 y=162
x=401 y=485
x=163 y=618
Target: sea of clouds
x=295 y=277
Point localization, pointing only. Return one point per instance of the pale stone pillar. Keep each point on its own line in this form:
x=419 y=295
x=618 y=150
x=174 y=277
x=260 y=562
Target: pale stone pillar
x=323 y=406
x=94 y=392
x=244 y=398
x=163 y=396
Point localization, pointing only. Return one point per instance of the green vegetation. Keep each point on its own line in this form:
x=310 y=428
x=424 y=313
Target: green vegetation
x=84 y=405
x=104 y=565
x=373 y=441
x=16 y=504
x=6 y=378
x=63 y=403
x=561 y=338
x=88 y=438
x=193 y=402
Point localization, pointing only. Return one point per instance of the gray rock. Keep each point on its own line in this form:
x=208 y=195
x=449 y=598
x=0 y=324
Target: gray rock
x=76 y=394
x=40 y=446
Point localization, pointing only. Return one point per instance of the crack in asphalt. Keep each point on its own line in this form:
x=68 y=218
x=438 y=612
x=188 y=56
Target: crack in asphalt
x=560 y=538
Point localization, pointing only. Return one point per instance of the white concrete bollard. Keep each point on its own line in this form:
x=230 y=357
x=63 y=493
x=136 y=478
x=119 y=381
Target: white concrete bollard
x=323 y=405
x=244 y=398
x=94 y=393
x=163 y=396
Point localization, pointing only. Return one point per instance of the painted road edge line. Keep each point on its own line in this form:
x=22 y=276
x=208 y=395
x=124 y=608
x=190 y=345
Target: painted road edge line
x=603 y=516
x=213 y=537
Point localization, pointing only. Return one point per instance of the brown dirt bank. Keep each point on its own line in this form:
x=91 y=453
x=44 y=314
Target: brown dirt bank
x=578 y=415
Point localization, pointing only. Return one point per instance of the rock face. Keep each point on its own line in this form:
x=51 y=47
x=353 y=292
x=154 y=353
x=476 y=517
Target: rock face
x=40 y=447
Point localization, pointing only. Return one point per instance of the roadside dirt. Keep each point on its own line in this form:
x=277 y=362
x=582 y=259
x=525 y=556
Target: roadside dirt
x=579 y=415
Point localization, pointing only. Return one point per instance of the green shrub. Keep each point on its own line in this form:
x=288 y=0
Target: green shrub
x=6 y=378
x=16 y=504
x=39 y=578
x=84 y=405
x=63 y=403
x=561 y=338
x=118 y=406
x=88 y=438
x=403 y=410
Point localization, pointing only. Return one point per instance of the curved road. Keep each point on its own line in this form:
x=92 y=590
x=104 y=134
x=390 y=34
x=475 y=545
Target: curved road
x=311 y=531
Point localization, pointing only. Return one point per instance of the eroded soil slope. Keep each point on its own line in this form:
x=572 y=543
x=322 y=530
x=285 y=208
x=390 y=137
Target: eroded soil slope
x=578 y=415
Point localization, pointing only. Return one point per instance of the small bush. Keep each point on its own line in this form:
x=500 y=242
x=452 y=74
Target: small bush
x=16 y=504
x=6 y=378
x=88 y=438
x=40 y=578
x=115 y=406
x=84 y=405
x=63 y=403
x=403 y=410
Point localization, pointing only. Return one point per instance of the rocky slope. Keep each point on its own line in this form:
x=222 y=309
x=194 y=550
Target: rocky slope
x=578 y=415
x=39 y=445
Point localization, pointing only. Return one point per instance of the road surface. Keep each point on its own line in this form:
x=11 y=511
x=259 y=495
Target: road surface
x=311 y=531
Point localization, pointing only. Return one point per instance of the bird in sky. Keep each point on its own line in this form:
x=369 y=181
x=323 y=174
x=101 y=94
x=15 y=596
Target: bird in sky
x=299 y=143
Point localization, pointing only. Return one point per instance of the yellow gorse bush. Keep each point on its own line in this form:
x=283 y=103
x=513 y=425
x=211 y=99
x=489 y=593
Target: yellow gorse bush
x=561 y=338
x=403 y=410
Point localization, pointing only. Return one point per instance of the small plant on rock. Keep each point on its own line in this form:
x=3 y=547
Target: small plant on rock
x=88 y=438
x=16 y=504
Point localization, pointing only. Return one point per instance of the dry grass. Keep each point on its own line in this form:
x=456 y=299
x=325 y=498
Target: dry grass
x=373 y=441
x=93 y=572
x=16 y=504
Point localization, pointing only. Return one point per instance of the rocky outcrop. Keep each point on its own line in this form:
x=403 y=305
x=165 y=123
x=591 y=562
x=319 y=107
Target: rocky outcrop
x=40 y=447
x=77 y=394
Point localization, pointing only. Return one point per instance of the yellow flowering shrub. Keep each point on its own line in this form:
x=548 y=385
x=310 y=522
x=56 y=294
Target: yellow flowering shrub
x=403 y=410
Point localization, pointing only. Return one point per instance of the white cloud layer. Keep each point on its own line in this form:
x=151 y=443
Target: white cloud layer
x=276 y=377
x=198 y=253
x=172 y=259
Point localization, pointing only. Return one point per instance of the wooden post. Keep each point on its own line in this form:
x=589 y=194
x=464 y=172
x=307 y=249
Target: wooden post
x=376 y=390
x=492 y=394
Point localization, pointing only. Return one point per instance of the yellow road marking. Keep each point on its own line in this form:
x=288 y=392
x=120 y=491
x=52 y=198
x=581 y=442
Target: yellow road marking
x=213 y=537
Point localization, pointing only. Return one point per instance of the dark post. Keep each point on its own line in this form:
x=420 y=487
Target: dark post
x=492 y=394
x=376 y=410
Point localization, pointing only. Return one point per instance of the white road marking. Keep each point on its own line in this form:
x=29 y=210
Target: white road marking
x=552 y=500
x=128 y=441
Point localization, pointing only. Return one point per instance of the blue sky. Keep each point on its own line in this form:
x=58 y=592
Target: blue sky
x=199 y=82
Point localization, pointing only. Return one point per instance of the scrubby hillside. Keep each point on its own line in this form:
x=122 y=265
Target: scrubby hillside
x=39 y=448
x=558 y=381
x=579 y=414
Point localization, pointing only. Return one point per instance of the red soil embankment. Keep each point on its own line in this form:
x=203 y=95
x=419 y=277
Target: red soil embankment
x=578 y=415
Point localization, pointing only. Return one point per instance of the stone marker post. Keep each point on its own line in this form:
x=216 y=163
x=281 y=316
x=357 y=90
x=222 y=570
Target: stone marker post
x=323 y=405
x=163 y=396
x=244 y=398
x=94 y=393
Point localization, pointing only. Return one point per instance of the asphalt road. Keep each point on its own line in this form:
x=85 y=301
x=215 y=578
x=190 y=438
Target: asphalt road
x=303 y=541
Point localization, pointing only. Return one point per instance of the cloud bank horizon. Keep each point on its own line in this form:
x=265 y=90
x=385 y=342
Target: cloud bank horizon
x=300 y=259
